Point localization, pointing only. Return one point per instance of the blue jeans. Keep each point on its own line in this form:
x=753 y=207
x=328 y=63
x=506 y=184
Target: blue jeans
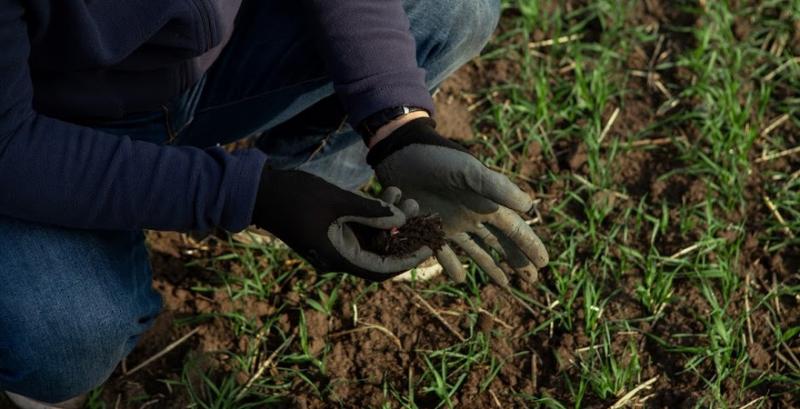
x=73 y=303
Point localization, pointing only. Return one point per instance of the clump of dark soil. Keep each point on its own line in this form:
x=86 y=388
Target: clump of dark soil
x=418 y=232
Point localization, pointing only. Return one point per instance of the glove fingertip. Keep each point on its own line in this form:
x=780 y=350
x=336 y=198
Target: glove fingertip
x=451 y=264
x=542 y=258
x=391 y=195
x=537 y=252
x=524 y=203
x=516 y=199
x=529 y=273
x=498 y=276
x=410 y=207
x=395 y=218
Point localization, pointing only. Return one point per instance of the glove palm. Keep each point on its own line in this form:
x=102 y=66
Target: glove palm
x=478 y=206
x=327 y=225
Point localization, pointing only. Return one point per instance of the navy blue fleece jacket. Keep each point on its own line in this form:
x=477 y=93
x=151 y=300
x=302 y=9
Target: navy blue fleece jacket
x=63 y=62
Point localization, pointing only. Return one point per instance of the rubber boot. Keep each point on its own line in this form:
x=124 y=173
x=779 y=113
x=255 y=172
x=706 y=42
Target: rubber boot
x=27 y=403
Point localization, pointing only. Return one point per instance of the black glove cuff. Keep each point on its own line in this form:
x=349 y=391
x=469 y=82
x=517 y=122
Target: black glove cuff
x=418 y=131
x=269 y=186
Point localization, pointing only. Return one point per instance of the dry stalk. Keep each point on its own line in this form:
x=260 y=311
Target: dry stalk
x=368 y=327
x=776 y=71
x=535 y=220
x=586 y=349
x=163 y=352
x=435 y=314
x=520 y=138
x=608 y=126
x=495 y=319
x=778 y=46
x=774 y=125
x=591 y=185
x=652 y=63
x=792 y=177
x=645 y=74
x=786 y=361
x=256 y=344
x=194 y=245
x=476 y=105
x=452 y=313
x=628 y=396
x=791 y=355
x=662 y=88
x=567 y=68
x=550 y=307
x=747 y=306
x=514 y=297
x=538 y=218
x=646 y=398
x=767 y=39
x=149 y=403
x=664 y=55
x=667 y=106
x=651 y=142
x=752 y=402
x=776 y=300
x=262 y=367
x=553 y=41
x=496 y=401
x=780 y=154
x=777 y=214
x=683 y=252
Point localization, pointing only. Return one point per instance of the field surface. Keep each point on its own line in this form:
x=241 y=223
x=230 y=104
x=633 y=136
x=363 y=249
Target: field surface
x=661 y=140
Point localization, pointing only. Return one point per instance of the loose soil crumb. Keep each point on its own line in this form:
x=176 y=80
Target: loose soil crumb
x=416 y=233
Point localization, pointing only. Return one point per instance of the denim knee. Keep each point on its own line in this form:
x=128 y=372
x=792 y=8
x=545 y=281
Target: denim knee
x=72 y=304
x=471 y=24
x=450 y=33
x=58 y=353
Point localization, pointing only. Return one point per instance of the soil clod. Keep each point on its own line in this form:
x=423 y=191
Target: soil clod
x=418 y=232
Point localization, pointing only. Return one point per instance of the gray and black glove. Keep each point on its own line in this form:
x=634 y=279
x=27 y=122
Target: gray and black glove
x=326 y=224
x=477 y=205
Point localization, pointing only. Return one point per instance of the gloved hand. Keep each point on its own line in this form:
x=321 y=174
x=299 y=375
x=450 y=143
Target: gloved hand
x=326 y=224
x=473 y=201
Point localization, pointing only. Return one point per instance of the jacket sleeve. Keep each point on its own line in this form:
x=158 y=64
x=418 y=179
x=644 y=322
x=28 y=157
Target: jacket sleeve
x=370 y=53
x=64 y=174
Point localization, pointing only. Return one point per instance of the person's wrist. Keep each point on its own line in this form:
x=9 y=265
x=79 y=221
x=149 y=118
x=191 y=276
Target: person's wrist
x=420 y=131
x=395 y=124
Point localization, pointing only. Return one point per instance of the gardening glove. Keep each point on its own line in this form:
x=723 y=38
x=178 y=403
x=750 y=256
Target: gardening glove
x=478 y=206
x=326 y=224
